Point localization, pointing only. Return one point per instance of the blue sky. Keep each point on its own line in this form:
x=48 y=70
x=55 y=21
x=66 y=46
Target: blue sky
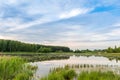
x=78 y=24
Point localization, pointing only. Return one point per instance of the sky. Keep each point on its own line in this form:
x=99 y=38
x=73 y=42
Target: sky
x=78 y=24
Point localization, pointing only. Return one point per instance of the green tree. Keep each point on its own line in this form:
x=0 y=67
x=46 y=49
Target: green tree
x=44 y=50
x=109 y=50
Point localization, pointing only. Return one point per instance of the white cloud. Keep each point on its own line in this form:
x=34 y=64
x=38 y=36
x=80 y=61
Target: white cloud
x=11 y=2
x=18 y=25
x=84 y=45
x=82 y=34
x=10 y=22
x=74 y=12
x=68 y=34
x=48 y=18
x=115 y=32
x=117 y=25
x=98 y=37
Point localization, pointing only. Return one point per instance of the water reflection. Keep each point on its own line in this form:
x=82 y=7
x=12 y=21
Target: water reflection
x=45 y=66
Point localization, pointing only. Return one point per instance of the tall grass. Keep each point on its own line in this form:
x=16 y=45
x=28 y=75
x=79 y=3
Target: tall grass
x=61 y=74
x=67 y=73
x=98 y=75
x=14 y=68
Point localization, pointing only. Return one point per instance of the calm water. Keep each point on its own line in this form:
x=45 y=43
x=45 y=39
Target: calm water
x=45 y=66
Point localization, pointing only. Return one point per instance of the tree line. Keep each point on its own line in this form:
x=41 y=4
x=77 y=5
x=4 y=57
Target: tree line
x=108 y=50
x=17 y=46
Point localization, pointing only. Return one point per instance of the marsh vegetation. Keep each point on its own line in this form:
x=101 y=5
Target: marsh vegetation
x=69 y=73
x=15 y=68
x=19 y=61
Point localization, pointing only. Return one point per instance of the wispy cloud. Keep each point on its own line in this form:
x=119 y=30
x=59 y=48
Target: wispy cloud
x=77 y=24
x=74 y=12
x=27 y=25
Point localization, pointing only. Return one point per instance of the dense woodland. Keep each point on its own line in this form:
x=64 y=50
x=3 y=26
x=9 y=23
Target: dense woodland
x=17 y=46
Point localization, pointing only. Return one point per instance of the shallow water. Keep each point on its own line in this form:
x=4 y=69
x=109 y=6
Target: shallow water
x=45 y=66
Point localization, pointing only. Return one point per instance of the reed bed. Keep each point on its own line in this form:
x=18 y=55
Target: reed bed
x=15 y=68
x=98 y=75
x=60 y=73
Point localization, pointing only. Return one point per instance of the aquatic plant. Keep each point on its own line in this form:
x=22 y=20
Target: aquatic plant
x=68 y=73
x=61 y=73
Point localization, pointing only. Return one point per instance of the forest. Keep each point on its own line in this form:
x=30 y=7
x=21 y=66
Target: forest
x=17 y=46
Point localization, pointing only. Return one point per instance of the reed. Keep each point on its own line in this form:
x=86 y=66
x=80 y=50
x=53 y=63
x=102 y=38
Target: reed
x=14 y=68
x=98 y=75
x=61 y=73
x=69 y=73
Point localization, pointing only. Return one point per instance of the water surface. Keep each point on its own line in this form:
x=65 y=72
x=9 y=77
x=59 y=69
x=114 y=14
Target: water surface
x=45 y=66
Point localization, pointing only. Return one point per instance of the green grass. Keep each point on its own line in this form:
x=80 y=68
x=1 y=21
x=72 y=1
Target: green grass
x=98 y=75
x=61 y=74
x=15 y=68
x=67 y=73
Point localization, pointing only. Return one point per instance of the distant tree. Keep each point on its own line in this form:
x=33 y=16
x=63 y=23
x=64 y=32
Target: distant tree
x=110 y=50
x=77 y=51
x=44 y=50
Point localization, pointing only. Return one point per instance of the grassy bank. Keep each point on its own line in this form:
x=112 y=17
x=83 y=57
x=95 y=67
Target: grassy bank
x=15 y=68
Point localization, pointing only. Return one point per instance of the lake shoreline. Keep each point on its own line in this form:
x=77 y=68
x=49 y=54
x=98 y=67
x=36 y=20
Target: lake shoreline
x=35 y=57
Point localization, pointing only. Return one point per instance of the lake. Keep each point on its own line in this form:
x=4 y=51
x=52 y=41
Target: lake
x=45 y=66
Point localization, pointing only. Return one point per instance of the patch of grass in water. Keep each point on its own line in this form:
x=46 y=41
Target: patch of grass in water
x=61 y=74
